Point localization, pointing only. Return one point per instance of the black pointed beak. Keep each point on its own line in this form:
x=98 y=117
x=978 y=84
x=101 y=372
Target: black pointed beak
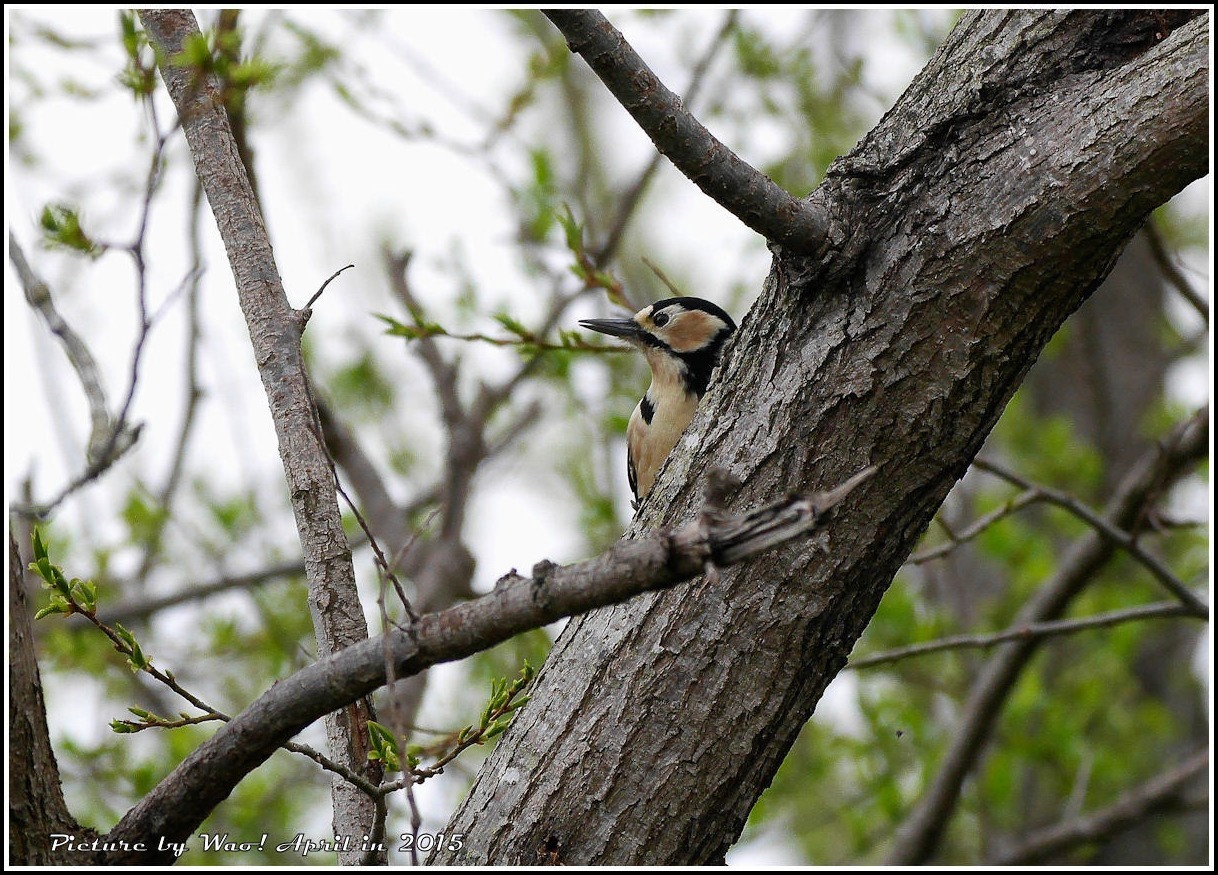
x=625 y=328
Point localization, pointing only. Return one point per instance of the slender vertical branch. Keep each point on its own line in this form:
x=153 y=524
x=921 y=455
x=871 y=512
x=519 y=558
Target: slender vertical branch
x=275 y=331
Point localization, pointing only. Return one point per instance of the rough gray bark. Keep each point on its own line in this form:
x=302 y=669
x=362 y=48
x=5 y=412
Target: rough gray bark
x=36 y=810
x=966 y=227
x=275 y=331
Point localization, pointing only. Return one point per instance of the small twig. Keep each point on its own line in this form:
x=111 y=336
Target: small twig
x=531 y=342
x=317 y=294
x=663 y=277
x=160 y=723
x=955 y=539
x=1158 y=249
x=330 y=765
x=947 y=529
x=1115 y=534
x=1049 y=629
x=381 y=562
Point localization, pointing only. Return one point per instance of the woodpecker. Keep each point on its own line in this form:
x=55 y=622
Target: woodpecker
x=681 y=339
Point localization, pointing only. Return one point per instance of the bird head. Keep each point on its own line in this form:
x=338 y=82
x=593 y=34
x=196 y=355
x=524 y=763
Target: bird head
x=681 y=336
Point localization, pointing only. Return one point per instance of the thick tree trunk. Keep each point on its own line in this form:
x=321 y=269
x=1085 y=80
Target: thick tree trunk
x=968 y=225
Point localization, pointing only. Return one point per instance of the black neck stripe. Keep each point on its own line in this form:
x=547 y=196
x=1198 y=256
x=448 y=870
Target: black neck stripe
x=647 y=409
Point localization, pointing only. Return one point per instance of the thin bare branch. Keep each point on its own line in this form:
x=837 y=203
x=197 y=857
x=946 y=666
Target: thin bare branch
x=1179 y=282
x=1159 y=610
x=38 y=295
x=739 y=188
x=193 y=391
x=955 y=539
x=1161 y=793
x=109 y=439
x=663 y=277
x=1114 y=533
x=137 y=609
x=317 y=294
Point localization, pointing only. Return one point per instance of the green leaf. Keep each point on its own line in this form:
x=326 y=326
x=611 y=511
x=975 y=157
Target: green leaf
x=137 y=660
x=380 y=734
x=61 y=228
x=513 y=325
x=572 y=230
x=57 y=605
x=40 y=548
x=45 y=570
x=121 y=631
x=498 y=727
x=196 y=53
x=419 y=330
x=384 y=745
x=86 y=592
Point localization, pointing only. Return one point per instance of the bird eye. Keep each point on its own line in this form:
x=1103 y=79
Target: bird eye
x=660 y=319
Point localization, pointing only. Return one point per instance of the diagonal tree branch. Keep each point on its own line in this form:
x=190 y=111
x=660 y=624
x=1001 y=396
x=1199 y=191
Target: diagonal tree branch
x=108 y=440
x=1158 y=794
x=1158 y=610
x=1128 y=542
x=661 y=560
x=741 y=189
x=956 y=539
x=38 y=295
x=275 y=331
